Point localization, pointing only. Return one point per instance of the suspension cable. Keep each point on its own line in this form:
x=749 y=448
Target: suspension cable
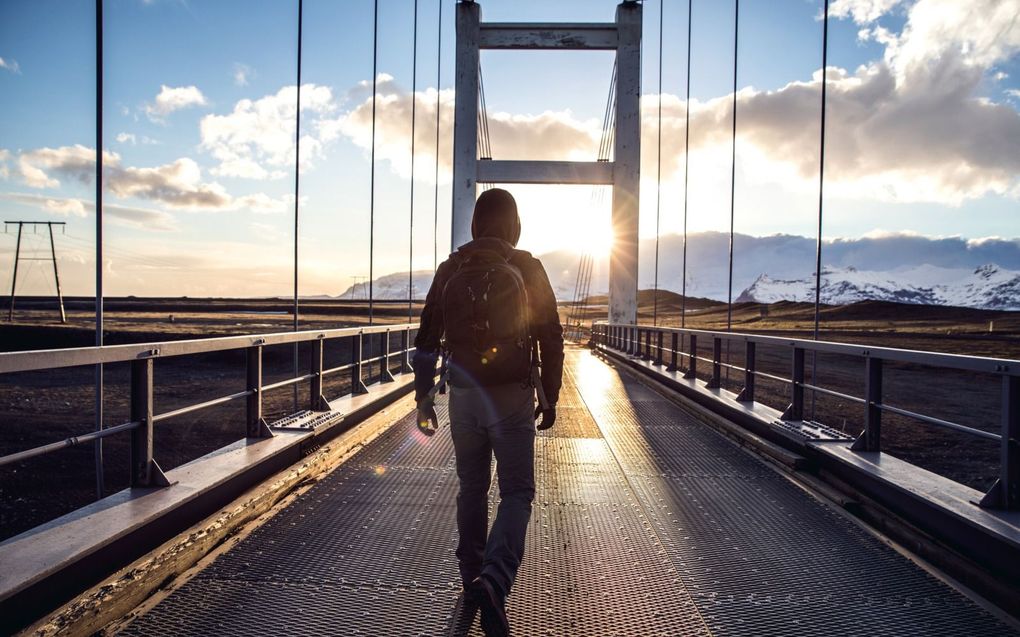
x=435 y=212
x=687 y=149
x=733 y=164
x=658 y=179
x=410 y=222
x=297 y=177
x=821 y=169
x=821 y=184
x=371 y=197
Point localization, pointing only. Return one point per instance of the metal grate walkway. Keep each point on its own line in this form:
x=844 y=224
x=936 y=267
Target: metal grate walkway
x=646 y=522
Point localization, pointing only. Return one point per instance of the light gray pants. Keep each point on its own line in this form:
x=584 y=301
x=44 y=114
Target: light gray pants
x=485 y=421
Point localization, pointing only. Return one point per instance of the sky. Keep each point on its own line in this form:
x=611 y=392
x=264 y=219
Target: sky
x=199 y=121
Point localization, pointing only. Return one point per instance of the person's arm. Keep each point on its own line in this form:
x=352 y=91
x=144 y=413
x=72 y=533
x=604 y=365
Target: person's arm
x=430 y=333
x=546 y=329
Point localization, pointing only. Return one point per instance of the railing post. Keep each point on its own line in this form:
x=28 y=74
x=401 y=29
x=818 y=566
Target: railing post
x=256 y=424
x=1005 y=493
x=317 y=402
x=658 y=349
x=747 y=393
x=632 y=336
x=796 y=409
x=716 y=380
x=871 y=438
x=357 y=384
x=405 y=358
x=674 y=345
x=646 y=350
x=384 y=364
x=144 y=470
x=692 y=360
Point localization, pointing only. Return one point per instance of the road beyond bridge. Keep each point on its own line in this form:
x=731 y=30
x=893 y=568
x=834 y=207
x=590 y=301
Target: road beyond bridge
x=646 y=522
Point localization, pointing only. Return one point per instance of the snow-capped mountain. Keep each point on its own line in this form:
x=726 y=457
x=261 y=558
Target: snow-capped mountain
x=392 y=286
x=986 y=287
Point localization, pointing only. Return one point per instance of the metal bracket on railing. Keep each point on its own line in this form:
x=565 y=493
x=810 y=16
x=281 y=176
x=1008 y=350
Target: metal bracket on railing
x=871 y=438
x=145 y=472
x=317 y=402
x=357 y=383
x=716 y=380
x=674 y=349
x=796 y=409
x=692 y=362
x=747 y=393
x=257 y=427
x=405 y=359
x=1005 y=493
x=385 y=375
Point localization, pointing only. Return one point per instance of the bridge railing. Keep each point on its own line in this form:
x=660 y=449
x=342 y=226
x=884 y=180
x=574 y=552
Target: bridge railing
x=145 y=471
x=676 y=350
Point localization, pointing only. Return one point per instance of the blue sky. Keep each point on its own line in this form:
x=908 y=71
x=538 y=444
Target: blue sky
x=198 y=118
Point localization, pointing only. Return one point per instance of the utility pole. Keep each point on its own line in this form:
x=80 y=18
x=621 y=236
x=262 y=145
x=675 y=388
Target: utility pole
x=53 y=258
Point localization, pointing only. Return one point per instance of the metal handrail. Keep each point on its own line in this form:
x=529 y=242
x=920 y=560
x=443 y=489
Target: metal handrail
x=637 y=340
x=891 y=354
x=36 y=360
x=145 y=471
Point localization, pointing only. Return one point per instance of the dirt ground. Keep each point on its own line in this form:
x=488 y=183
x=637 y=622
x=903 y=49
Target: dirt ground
x=42 y=407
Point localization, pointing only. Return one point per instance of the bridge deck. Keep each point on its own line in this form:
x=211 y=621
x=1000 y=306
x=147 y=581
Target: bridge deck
x=646 y=522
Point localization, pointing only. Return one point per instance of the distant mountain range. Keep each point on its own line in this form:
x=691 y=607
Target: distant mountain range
x=987 y=287
x=897 y=267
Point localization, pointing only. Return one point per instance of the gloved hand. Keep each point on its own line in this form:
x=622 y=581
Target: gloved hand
x=426 y=418
x=548 y=417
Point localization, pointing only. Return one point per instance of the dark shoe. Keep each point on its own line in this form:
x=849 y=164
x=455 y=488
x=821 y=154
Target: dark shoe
x=490 y=604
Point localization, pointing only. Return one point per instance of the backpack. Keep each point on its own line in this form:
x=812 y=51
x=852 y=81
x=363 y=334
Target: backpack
x=485 y=316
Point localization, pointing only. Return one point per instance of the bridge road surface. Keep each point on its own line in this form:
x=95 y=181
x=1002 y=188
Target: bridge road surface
x=646 y=522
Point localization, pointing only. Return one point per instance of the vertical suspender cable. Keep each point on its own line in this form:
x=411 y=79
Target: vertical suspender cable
x=99 y=244
x=733 y=179
x=658 y=180
x=414 y=104
x=371 y=197
x=687 y=148
x=733 y=165
x=821 y=185
x=439 y=69
x=297 y=177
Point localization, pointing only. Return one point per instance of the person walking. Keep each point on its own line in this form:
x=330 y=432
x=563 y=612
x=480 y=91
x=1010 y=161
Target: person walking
x=492 y=313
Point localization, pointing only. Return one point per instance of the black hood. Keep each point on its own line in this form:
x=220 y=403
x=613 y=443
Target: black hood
x=496 y=216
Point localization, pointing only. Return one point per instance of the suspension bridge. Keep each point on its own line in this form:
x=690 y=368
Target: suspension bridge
x=671 y=499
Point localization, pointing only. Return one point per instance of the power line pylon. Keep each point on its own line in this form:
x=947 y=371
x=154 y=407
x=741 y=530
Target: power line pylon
x=53 y=258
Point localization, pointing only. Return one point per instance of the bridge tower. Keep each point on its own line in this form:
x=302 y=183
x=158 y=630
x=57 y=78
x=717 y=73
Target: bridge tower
x=623 y=173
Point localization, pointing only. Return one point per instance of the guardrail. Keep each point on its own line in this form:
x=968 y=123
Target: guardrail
x=637 y=340
x=145 y=471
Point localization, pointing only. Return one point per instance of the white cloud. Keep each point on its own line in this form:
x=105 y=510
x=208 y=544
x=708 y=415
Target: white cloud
x=8 y=64
x=862 y=11
x=70 y=206
x=172 y=99
x=256 y=140
x=242 y=74
x=178 y=185
x=126 y=138
x=4 y=156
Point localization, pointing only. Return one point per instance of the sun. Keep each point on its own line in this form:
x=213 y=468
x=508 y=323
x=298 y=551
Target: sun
x=595 y=239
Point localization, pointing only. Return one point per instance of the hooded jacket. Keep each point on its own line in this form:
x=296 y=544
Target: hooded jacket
x=495 y=225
